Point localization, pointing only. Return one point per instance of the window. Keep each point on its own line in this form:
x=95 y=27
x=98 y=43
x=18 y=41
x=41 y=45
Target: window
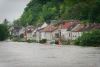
x=69 y=34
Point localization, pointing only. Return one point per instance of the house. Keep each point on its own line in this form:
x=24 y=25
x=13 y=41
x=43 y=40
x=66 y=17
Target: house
x=43 y=32
x=69 y=30
x=50 y=33
x=65 y=27
x=28 y=32
x=80 y=29
x=11 y=30
x=38 y=26
x=38 y=34
x=75 y=31
x=18 y=30
x=53 y=22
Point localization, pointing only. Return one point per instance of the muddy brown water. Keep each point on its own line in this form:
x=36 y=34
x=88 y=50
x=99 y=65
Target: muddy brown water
x=22 y=54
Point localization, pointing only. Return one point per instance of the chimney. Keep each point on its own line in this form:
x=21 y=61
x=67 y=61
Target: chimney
x=65 y=22
x=82 y=24
x=95 y=26
x=71 y=23
x=87 y=24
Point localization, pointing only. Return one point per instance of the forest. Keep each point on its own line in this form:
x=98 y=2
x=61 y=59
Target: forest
x=38 y=11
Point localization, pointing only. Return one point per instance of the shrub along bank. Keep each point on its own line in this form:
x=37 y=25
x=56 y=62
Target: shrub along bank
x=89 y=39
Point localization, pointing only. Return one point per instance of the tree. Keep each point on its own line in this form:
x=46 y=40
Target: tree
x=4 y=32
x=5 y=22
x=89 y=39
x=94 y=15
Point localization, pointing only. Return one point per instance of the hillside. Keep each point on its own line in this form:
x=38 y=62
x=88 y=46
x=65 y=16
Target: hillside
x=38 y=11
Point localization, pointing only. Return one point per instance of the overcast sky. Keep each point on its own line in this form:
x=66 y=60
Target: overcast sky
x=12 y=9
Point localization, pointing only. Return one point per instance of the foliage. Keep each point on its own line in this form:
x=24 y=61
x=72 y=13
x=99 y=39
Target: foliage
x=68 y=42
x=22 y=35
x=38 y=11
x=35 y=41
x=29 y=40
x=43 y=41
x=5 y=22
x=77 y=41
x=4 y=32
x=11 y=36
x=89 y=39
x=17 y=40
x=56 y=42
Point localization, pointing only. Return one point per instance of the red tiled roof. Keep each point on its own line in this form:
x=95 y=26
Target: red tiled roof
x=52 y=29
x=68 y=25
x=47 y=27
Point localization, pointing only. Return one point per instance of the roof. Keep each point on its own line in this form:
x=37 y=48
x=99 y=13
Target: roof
x=52 y=29
x=72 y=26
x=77 y=28
x=40 y=29
x=17 y=28
x=91 y=26
x=29 y=29
x=47 y=27
x=66 y=21
x=40 y=24
x=67 y=25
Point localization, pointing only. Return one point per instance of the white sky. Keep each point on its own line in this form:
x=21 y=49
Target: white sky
x=12 y=9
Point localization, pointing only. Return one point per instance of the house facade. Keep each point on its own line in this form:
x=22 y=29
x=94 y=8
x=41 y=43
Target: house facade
x=18 y=30
x=65 y=27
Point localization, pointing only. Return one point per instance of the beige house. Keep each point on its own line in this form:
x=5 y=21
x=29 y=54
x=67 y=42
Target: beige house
x=38 y=26
x=52 y=33
x=38 y=34
x=28 y=32
x=64 y=29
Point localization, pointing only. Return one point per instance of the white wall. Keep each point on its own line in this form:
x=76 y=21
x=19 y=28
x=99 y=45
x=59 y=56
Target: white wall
x=43 y=35
x=44 y=25
x=64 y=32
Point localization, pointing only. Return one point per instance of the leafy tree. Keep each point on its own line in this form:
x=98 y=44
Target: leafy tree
x=89 y=39
x=94 y=14
x=4 y=32
x=5 y=22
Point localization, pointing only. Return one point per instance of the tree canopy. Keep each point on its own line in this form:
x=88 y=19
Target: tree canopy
x=4 y=32
x=38 y=11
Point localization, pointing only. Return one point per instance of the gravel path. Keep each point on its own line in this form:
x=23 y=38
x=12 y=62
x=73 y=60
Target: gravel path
x=22 y=54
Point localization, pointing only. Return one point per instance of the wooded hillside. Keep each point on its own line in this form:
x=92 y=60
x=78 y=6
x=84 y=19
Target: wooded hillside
x=38 y=11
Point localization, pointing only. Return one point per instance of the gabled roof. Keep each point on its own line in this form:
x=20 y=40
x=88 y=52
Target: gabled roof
x=52 y=29
x=91 y=26
x=47 y=27
x=72 y=26
x=17 y=28
x=66 y=21
x=67 y=25
x=77 y=28
x=40 y=24
x=29 y=29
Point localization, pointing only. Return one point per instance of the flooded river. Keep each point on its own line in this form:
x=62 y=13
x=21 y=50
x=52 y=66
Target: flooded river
x=22 y=54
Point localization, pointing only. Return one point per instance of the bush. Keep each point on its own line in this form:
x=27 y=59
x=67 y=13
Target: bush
x=11 y=36
x=43 y=41
x=29 y=40
x=35 y=41
x=17 y=41
x=21 y=35
x=56 y=42
x=77 y=41
x=89 y=39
